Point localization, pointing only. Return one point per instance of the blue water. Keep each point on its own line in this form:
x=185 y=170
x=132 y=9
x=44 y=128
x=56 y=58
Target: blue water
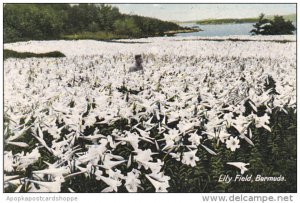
x=219 y=30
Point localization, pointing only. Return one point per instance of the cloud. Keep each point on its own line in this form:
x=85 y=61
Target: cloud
x=157 y=6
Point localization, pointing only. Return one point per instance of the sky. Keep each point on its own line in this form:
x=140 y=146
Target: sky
x=188 y=12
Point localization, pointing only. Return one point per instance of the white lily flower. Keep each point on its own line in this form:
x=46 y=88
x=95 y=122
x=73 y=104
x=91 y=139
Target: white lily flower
x=112 y=183
x=240 y=165
x=8 y=160
x=233 y=143
x=28 y=159
x=190 y=158
x=48 y=186
x=132 y=181
x=159 y=186
x=54 y=171
x=143 y=157
x=195 y=138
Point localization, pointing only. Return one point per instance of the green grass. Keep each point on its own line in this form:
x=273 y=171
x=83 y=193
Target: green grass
x=107 y=36
x=95 y=36
x=14 y=54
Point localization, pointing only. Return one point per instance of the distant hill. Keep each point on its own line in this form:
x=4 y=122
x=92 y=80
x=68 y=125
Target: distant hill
x=291 y=17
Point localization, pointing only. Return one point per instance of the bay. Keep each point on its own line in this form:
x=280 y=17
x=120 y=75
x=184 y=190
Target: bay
x=219 y=30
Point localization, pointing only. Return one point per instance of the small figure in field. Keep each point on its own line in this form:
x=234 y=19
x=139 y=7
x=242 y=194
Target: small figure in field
x=138 y=64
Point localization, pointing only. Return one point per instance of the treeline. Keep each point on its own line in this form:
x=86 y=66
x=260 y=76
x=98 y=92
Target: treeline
x=226 y=21
x=54 y=21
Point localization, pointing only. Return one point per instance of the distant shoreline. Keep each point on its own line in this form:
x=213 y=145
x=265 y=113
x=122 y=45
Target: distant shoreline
x=226 y=21
x=213 y=21
x=173 y=32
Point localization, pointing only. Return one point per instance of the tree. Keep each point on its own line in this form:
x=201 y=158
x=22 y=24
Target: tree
x=277 y=26
x=259 y=26
x=31 y=21
x=281 y=27
x=126 y=27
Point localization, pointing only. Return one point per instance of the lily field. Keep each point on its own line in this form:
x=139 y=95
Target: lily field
x=204 y=107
